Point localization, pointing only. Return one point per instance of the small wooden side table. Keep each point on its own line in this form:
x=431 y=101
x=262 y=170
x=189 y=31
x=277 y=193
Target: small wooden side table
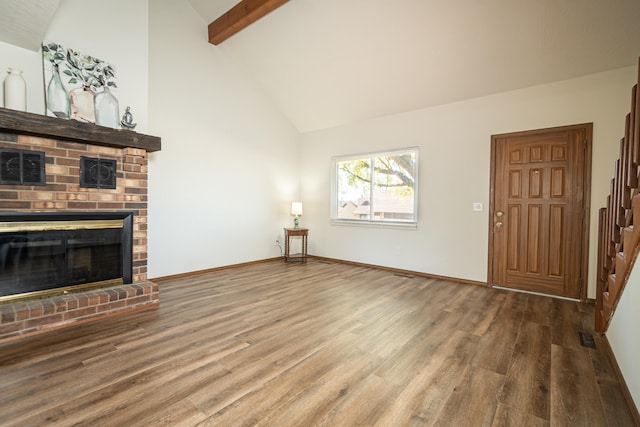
x=293 y=232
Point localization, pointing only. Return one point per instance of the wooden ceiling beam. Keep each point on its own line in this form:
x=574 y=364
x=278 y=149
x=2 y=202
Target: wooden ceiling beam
x=239 y=17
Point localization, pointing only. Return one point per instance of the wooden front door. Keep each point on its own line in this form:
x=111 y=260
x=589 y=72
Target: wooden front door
x=539 y=220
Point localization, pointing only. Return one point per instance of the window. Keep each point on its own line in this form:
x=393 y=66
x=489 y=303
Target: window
x=376 y=188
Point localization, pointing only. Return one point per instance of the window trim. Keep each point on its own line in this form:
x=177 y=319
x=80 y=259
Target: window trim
x=333 y=214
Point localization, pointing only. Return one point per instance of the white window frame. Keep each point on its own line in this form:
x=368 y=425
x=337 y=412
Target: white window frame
x=396 y=223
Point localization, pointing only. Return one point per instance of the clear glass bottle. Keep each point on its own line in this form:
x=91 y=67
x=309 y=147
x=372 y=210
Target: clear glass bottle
x=57 y=98
x=107 y=108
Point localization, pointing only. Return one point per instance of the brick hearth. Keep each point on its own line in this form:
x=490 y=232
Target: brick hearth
x=62 y=193
x=38 y=315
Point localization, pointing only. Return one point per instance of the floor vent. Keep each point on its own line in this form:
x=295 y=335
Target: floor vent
x=586 y=339
x=408 y=276
x=325 y=262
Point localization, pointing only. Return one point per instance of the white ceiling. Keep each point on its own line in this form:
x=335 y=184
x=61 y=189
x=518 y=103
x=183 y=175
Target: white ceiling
x=24 y=23
x=331 y=62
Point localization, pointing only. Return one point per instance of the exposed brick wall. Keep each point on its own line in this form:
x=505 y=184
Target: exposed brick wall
x=62 y=193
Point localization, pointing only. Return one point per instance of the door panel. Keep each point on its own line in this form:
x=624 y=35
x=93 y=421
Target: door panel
x=538 y=240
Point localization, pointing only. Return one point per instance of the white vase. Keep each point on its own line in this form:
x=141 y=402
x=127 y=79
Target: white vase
x=15 y=90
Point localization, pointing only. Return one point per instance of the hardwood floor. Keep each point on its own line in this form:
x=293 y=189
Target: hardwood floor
x=318 y=344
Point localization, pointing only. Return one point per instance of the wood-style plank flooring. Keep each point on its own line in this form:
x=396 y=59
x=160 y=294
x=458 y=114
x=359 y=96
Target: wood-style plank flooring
x=318 y=344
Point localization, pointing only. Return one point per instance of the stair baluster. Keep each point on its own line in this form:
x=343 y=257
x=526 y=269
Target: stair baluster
x=618 y=239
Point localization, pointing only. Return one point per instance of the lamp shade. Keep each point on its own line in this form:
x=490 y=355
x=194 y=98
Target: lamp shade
x=296 y=208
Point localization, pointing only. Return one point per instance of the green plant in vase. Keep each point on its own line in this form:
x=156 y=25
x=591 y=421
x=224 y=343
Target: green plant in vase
x=57 y=98
x=82 y=69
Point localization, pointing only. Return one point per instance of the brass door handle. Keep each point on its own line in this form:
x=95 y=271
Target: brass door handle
x=498 y=224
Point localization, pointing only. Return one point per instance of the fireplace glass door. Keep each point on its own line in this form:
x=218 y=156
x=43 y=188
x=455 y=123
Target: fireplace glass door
x=63 y=255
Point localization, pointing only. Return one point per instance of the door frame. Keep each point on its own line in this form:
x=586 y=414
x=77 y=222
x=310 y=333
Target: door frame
x=586 y=207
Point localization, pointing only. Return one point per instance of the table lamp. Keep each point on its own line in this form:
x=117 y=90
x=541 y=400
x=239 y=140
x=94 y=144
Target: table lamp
x=296 y=209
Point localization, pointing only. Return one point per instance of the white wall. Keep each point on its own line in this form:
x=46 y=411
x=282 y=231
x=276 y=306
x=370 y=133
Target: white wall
x=31 y=65
x=222 y=186
x=117 y=33
x=455 y=144
x=623 y=334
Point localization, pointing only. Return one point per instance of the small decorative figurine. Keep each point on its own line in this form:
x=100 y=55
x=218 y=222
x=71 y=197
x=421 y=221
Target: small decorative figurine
x=127 y=119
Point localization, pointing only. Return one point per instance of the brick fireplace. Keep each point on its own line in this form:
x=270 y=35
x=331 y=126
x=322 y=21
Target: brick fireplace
x=64 y=143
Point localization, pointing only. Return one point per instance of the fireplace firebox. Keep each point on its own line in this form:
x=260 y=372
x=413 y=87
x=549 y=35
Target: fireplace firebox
x=44 y=254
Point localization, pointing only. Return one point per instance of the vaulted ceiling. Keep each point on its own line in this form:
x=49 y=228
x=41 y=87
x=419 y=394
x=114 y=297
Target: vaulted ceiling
x=24 y=23
x=331 y=62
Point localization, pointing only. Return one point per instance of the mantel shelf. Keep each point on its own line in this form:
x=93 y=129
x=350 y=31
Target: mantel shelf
x=20 y=122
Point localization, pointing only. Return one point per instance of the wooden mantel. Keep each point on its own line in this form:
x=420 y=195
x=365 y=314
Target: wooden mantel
x=13 y=121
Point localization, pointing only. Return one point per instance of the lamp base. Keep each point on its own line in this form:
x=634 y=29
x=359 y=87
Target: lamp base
x=296 y=223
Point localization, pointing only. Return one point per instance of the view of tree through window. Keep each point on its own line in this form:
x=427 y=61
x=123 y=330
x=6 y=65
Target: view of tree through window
x=378 y=187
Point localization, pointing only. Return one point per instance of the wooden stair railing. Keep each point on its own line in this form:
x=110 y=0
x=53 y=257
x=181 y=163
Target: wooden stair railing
x=619 y=221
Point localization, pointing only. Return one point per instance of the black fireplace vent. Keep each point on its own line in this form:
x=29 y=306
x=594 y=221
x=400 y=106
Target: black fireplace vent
x=22 y=167
x=97 y=173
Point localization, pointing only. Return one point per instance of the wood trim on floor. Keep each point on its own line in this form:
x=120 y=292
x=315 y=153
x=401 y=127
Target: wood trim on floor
x=325 y=259
x=209 y=270
x=400 y=271
x=623 y=385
